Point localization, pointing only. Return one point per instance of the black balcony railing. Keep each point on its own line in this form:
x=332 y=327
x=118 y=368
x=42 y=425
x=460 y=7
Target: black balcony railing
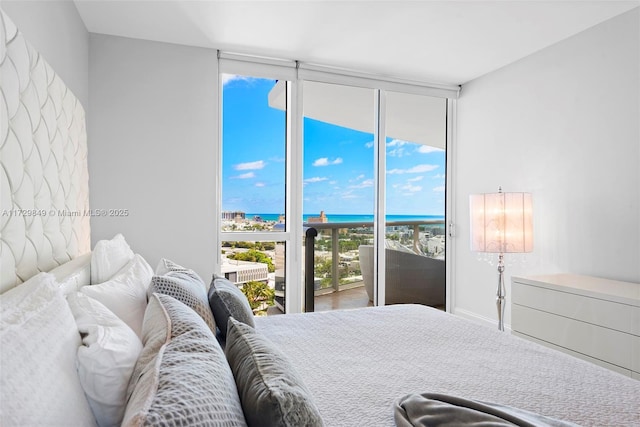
x=310 y=234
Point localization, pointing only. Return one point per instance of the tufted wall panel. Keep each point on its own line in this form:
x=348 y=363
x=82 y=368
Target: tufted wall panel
x=44 y=211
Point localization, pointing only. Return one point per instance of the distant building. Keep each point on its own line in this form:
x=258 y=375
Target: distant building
x=318 y=219
x=233 y=215
x=437 y=231
x=241 y=272
x=279 y=289
x=436 y=246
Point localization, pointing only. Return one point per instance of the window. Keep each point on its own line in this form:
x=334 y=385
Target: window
x=253 y=232
x=253 y=156
x=363 y=161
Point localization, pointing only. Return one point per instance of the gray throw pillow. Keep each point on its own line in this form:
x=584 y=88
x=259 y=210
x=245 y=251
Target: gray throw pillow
x=226 y=300
x=165 y=266
x=271 y=392
x=187 y=287
x=181 y=377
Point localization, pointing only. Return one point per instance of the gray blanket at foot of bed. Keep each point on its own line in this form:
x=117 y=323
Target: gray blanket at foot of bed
x=432 y=409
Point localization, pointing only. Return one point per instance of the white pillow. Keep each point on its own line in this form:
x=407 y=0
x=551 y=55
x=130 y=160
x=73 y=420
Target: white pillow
x=38 y=345
x=125 y=294
x=108 y=258
x=106 y=359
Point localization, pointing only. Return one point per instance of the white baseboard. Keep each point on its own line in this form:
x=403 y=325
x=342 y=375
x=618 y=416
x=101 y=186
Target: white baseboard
x=481 y=320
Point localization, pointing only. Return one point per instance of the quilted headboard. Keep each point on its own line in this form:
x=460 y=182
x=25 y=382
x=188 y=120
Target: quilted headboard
x=44 y=215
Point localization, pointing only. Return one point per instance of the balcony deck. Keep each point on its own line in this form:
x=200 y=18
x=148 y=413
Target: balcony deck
x=354 y=297
x=346 y=299
x=350 y=298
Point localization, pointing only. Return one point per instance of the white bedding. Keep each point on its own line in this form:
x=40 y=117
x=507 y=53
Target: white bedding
x=356 y=363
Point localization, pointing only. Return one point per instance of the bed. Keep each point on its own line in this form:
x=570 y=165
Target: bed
x=357 y=363
x=351 y=366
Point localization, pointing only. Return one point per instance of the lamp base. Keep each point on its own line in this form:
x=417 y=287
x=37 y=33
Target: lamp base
x=500 y=293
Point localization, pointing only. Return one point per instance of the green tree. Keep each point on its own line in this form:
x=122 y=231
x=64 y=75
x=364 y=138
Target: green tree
x=268 y=246
x=325 y=283
x=347 y=245
x=245 y=245
x=259 y=295
x=323 y=267
x=254 y=256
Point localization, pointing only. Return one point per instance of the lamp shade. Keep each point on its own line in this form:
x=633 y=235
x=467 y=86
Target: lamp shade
x=501 y=222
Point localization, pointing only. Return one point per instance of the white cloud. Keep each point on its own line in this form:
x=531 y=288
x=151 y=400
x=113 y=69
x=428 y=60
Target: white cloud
x=316 y=179
x=397 y=152
x=424 y=149
x=439 y=189
x=364 y=184
x=250 y=165
x=411 y=188
x=415 y=169
x=324 y=161
x=246 y=175
x=333 y=182
x=422 y=168
x=228 y=78
x=416 y=179
x=396 y=143
x=260 y=184
x=393 y=143
x=439 y=176
x=349 y=195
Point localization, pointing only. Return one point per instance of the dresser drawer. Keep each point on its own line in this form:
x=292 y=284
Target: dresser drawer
x=615 y=347
x=618 y=369
x=613 y=315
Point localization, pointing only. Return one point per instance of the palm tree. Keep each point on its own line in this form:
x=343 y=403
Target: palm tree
x=260 y=296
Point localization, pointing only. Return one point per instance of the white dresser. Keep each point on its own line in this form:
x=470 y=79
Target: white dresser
x=595 y=319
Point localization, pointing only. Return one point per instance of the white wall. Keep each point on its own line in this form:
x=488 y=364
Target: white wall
x=562 y=124
x=152 y=131
x=55 y=29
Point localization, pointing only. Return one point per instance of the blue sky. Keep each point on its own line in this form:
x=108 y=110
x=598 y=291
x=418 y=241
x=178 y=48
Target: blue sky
x=338 y=162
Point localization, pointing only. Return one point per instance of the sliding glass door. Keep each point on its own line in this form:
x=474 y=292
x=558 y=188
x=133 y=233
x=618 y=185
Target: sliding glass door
x=415 y=158
x=338 y=191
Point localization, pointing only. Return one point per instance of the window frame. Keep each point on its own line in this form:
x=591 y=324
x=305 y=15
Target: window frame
x=295 y=73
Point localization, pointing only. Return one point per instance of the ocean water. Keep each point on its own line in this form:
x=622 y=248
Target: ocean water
x=353 y=218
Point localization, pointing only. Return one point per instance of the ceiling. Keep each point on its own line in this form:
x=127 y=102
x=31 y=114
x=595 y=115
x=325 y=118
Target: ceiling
x=448 y=42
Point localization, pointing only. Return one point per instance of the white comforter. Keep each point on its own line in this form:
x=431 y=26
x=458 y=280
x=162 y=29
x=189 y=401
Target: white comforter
x=358 y=362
